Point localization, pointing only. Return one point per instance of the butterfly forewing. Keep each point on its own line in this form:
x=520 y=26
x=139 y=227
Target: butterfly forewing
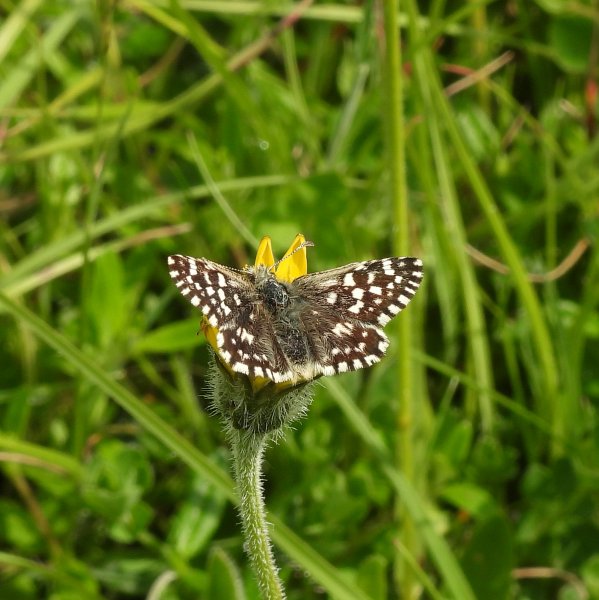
x=373 y=291
x=217 y=291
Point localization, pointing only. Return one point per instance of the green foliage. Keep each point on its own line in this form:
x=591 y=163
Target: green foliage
x=131 y=131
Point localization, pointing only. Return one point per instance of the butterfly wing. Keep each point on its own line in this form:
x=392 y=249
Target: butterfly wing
x=346 y=308
x=215 y=289
x=228 y=299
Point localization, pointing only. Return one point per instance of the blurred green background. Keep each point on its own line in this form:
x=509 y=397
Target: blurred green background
x=466 y=464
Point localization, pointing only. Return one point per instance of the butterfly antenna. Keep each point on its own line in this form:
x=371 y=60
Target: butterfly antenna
x=305 y=244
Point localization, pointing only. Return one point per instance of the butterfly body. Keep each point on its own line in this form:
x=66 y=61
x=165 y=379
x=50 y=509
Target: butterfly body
x=319 y=324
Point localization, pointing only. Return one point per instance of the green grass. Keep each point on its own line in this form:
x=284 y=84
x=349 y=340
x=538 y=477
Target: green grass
x=465 y=464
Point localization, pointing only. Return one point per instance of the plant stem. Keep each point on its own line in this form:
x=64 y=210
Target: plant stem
x=248 y=450
x=406 y=584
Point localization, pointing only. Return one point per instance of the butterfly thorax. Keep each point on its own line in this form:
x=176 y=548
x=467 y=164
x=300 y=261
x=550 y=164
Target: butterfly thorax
x=274 y=293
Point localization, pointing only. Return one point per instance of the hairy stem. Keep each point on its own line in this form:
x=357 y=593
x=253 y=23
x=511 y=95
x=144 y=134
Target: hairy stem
x=248 y=449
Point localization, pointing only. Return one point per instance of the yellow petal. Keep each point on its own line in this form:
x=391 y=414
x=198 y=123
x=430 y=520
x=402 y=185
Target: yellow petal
x=296 y=265
x=264 y=256
x=210 y=333
x=258 y=383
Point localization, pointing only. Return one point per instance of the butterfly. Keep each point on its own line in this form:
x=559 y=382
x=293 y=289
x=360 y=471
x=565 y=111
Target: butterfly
x=321 y=323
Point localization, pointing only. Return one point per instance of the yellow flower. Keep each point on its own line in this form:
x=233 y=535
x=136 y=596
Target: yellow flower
x=295 y=265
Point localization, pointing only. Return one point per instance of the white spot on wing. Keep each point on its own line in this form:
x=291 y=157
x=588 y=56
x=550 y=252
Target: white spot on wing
x=280 y=377
x=241 y=368
x=384 y=319
x=341 y=329
x=246 y=336
x=357 y=307
x=348 y=280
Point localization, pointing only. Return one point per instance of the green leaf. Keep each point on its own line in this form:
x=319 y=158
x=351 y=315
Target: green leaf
x=372 y=576
x=173 y=337
x=197 y=519
x=106 y=299
x=570 y=40
x=590 y=575
x=471 y=498
x=489 y=559
x=114 y=484
x=17 y=528
x=132 y=576
x=224 y=578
